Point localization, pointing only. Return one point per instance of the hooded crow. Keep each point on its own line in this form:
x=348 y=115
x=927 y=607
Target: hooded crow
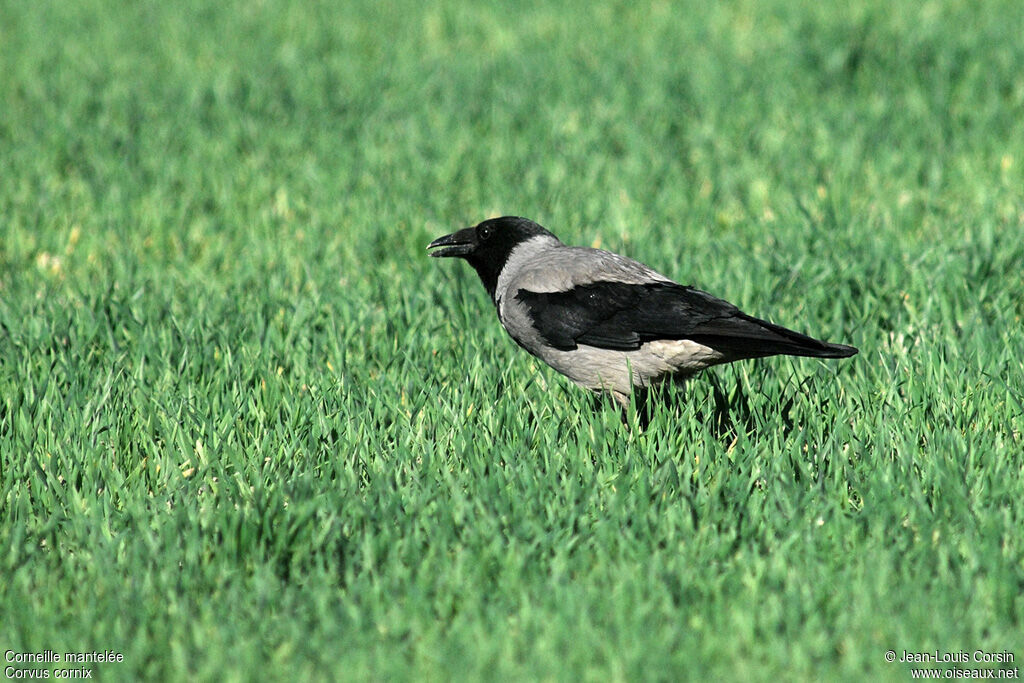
x=605 y=321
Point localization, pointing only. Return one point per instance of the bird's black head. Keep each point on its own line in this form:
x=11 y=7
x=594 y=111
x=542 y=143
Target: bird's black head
x=488 y=245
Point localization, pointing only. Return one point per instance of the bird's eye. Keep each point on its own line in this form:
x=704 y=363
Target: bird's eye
x=486 y=232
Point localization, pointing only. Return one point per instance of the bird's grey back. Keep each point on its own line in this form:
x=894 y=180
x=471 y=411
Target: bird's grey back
x=543 y=264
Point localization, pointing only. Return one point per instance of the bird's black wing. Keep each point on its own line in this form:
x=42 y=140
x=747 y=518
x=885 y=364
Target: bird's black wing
x=622 y=316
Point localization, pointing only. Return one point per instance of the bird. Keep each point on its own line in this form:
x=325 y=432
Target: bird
x=609 y=323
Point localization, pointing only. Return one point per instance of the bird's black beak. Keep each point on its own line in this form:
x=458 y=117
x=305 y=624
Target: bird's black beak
x=461 y=243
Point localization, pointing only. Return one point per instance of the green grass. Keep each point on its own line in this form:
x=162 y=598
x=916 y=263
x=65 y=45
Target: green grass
x=249 y=430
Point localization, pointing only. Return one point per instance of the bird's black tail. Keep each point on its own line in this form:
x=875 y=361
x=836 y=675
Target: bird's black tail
x=751 y=337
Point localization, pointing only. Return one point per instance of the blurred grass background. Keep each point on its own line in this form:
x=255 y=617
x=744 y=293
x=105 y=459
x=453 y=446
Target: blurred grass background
x=248 y=429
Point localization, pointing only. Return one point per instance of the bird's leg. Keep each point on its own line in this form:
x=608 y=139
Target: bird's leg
x=639 y=398
x=622 y=399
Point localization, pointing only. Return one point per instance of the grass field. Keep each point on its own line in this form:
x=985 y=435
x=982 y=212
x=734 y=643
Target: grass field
x=248 y=430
